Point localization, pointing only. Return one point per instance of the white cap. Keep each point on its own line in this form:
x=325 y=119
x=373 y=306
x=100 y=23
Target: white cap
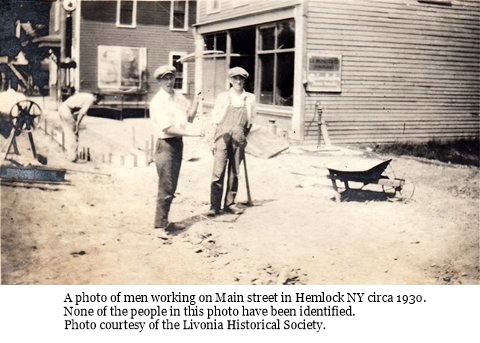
x=164 y=70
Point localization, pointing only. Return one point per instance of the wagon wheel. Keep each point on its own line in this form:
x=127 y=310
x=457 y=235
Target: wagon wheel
x=25 y=115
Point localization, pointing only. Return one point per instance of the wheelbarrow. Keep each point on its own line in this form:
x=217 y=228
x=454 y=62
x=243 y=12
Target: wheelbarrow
x=394 y=188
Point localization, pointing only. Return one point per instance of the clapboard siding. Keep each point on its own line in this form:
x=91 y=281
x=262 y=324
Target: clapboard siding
x=410 y=70
x=150 y=33
x=228 y=10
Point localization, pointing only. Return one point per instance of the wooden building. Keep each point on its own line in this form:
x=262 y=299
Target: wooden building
x=113 y=47
x=374 y=70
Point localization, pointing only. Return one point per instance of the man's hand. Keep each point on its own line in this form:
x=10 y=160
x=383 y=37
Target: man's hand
x=238 y=136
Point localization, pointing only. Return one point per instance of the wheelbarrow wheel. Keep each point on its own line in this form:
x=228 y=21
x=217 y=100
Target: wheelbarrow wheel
x=390 y=191
x=25 y=116
x=405 y=193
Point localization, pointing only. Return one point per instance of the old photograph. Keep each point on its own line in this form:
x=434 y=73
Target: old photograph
x=238 y=142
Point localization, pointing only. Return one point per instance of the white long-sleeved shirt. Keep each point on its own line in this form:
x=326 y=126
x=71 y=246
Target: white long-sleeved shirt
x=168 y=110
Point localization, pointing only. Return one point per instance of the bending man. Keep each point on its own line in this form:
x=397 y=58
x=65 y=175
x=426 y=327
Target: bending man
x=71 y=113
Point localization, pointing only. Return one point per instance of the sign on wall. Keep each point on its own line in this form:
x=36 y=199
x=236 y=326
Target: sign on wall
x=121 y=67
x=324 y=73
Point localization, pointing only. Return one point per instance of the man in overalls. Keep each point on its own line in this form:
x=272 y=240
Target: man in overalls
x=232 y=116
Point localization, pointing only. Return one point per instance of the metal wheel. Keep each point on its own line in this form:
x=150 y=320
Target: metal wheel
x=25 y=116
x=406 y=192
x=390 y=191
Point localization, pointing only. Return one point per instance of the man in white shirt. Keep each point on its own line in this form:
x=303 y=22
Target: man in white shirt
x=171 y=114
x=71 y=113
x=232 y=116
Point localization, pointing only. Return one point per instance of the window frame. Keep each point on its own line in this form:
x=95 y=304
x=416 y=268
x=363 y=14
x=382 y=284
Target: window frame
x=134 y=15
x=115 y=61
x=186 y=16
x=275 y=52
x=171 y=54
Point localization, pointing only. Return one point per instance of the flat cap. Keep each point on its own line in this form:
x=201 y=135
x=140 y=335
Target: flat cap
x=238 y=71
x=164 y=70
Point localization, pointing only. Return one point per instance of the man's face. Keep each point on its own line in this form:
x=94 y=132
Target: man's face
x=237 y=82
x=167 y=82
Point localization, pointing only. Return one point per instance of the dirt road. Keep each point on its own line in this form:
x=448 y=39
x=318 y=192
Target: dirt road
x=98 y=229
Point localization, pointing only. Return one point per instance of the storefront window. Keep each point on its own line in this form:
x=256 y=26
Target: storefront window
x=267 y=68
x=270 y=62
x=286 y=35
x=276 y=61
x=243 y=53
x=284 y=79
x=268 y=38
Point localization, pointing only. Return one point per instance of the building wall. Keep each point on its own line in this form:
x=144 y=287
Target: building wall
x=97 y=27
x=237 y=8
x=410 y=69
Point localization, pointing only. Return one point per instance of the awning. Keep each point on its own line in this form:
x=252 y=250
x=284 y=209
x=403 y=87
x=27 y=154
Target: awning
x=50 y=41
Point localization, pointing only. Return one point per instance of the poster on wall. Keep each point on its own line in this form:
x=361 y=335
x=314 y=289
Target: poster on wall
x=121 y=67
x=324 y=73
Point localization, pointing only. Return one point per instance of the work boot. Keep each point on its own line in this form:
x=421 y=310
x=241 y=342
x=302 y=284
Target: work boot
x=233 y=210
x=174 y=227
x=212 y=212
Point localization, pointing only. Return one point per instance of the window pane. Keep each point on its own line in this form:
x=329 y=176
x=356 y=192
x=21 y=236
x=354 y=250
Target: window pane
x=221 y=41
x=243 y=41
x=126 y=12
x=209 y=42
x=267 y=37
x=130 y=69
x=179 y=74
x=286 y=35
x=266 y=78
x=109 y=70
x=284 y=86
x=179 y=9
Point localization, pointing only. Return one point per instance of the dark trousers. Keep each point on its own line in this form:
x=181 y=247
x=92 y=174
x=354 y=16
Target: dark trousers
x=168 y=159
x=227 y=152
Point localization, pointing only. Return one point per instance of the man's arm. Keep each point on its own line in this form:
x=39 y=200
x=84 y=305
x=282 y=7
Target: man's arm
x=188 y=131
x=81 y=113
